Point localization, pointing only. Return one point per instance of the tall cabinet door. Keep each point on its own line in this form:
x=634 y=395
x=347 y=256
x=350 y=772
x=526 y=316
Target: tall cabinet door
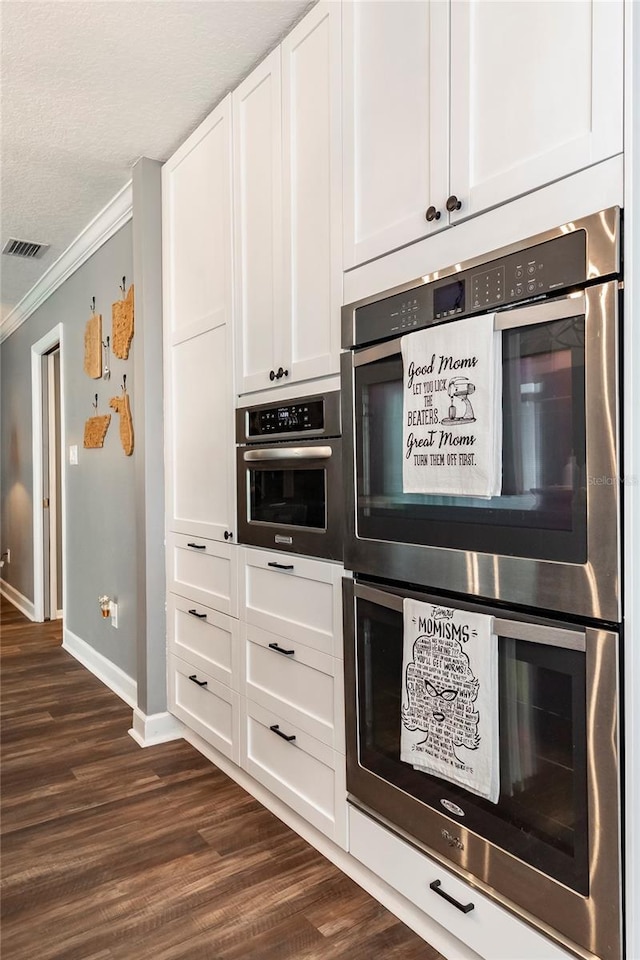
x=536 y=94
x=312 y=169
x=257 y=129
x=395 y=101
x=197 y=244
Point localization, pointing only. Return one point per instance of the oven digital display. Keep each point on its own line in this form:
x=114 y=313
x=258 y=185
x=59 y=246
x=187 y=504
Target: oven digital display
x=448 y=299
x=294 y=418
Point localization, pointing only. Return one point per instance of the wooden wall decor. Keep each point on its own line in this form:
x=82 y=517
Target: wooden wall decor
x=93 y=347
x=95 y=430
x=122 y=324
x=122 y=406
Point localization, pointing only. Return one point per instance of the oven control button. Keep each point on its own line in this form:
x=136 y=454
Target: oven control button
x=531 y=286
x=519 y=273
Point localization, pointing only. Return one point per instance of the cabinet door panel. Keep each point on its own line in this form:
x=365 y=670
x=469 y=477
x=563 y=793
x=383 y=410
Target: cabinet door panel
x=536 y=94
x=257 y=112
x=196 y=185
x=311 y=78
x=395 y=123
x=200 y=495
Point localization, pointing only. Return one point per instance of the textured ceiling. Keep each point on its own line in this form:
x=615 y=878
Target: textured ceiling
x=88 y=87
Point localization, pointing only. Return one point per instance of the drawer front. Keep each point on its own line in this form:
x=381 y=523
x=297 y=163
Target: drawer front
x=210 y=710
x=204 y=637
x=487 y=928
x=296 y=598
x=203 y=570
x=304 y=773
x=297 y=682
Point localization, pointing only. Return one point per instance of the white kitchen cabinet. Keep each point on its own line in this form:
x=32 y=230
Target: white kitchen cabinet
x=536 y=94
x=199 y=409
x=307 y=774
x=203 y=570
x=297 y=598
x=287 y=162
x=395 y=91
x=204 y=637
x=205 y=705
x=471 y=102
x=487 y=928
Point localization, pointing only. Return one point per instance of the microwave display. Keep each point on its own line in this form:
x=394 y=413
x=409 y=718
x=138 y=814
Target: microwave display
x=449 y=299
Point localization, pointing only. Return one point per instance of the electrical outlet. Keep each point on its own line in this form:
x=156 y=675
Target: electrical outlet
x=113 y=609
x=7 y=555
x=73 y=454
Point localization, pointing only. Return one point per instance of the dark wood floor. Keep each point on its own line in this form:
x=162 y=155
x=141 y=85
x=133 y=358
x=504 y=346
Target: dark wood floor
x=110 y=852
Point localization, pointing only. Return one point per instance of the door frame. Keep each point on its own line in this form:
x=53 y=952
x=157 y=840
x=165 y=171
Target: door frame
x=54 y=338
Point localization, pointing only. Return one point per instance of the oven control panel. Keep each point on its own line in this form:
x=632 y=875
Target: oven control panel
x=290 y=418
x=535 y=271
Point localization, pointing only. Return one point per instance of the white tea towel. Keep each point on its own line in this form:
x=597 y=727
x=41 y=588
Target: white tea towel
x=450 y=696
x=452 y=409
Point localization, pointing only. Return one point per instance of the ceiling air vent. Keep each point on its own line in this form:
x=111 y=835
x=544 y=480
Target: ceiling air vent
x=24 y=248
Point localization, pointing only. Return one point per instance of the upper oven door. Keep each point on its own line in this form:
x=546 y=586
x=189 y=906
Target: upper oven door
x=289 y=497
x=550 y=539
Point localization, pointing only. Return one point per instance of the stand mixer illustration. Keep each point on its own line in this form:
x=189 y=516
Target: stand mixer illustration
x=460 y=388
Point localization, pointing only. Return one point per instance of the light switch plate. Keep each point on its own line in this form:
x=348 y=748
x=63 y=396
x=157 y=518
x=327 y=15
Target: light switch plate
x=73 y=454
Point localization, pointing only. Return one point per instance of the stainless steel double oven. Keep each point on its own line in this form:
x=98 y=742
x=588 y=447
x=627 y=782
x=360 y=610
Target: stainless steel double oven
x=542 y=558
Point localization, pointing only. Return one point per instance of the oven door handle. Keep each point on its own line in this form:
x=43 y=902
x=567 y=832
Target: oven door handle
x=289 y=453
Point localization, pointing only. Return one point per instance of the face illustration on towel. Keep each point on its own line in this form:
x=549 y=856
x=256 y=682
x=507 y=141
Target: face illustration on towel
x=440 y=694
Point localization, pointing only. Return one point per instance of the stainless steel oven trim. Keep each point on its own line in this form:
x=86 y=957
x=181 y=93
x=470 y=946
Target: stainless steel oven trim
x=589 y=590
x=593 y=923
x=602 y=232
x=514 y=629
x=285 y=452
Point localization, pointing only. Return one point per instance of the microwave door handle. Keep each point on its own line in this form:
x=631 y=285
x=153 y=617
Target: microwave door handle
x=289 y=453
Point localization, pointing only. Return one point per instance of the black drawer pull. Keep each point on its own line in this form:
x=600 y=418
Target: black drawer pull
x=201 y=683
x=280 y=566
x=200 y=616
x=287 y=653
x=464 y=907
x=276 y=729
x=198 y=546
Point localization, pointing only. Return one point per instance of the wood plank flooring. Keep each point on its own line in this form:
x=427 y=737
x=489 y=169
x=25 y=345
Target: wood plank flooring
x=111 y=852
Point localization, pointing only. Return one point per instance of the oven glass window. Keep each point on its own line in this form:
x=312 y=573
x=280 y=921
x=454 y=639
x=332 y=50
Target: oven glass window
x=292 y=498
x=541 y=815
x=542 y=509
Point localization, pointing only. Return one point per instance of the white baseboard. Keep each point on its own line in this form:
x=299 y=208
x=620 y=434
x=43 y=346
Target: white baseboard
x=434 y=933
x=17 y=599
x=111 y=675
x=149 y=729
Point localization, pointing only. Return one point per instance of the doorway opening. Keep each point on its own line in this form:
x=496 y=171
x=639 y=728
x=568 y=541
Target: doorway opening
x=48 y=476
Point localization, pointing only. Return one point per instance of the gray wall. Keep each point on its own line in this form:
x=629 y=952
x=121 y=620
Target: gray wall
x=100 y=530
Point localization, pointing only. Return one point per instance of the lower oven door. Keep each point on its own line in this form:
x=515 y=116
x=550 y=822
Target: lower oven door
x=549 y=848
x=289 y=497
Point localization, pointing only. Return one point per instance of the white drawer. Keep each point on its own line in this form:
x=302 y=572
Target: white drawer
x=206 y=706
x=308 y=775
x=488 y=928
x=204 y=637
x=203 y=570
x=294 y=597
x=301 y=684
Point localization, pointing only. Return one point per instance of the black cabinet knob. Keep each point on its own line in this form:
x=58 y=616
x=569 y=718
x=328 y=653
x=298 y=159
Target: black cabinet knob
x=228 y=535
x=281 y=373
x=453 y=203
x=272 y=374
x=432 y=214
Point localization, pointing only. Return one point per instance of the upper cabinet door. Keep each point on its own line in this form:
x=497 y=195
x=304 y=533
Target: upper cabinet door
x=196 y=202
x=395 y=101
x=536 y=94
x=311 y=96
x=257 y=146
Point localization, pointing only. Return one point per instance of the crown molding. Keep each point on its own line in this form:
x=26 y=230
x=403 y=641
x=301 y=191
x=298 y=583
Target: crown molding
x=110 y=219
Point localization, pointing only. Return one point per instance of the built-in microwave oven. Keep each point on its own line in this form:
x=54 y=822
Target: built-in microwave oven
x=289 y=476
x=550 y=540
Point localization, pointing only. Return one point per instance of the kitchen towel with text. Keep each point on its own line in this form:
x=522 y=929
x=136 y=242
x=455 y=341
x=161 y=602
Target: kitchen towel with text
x=450 y=696
x=452 y=409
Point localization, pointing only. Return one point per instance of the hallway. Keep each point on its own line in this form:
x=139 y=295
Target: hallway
x=110 y=852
